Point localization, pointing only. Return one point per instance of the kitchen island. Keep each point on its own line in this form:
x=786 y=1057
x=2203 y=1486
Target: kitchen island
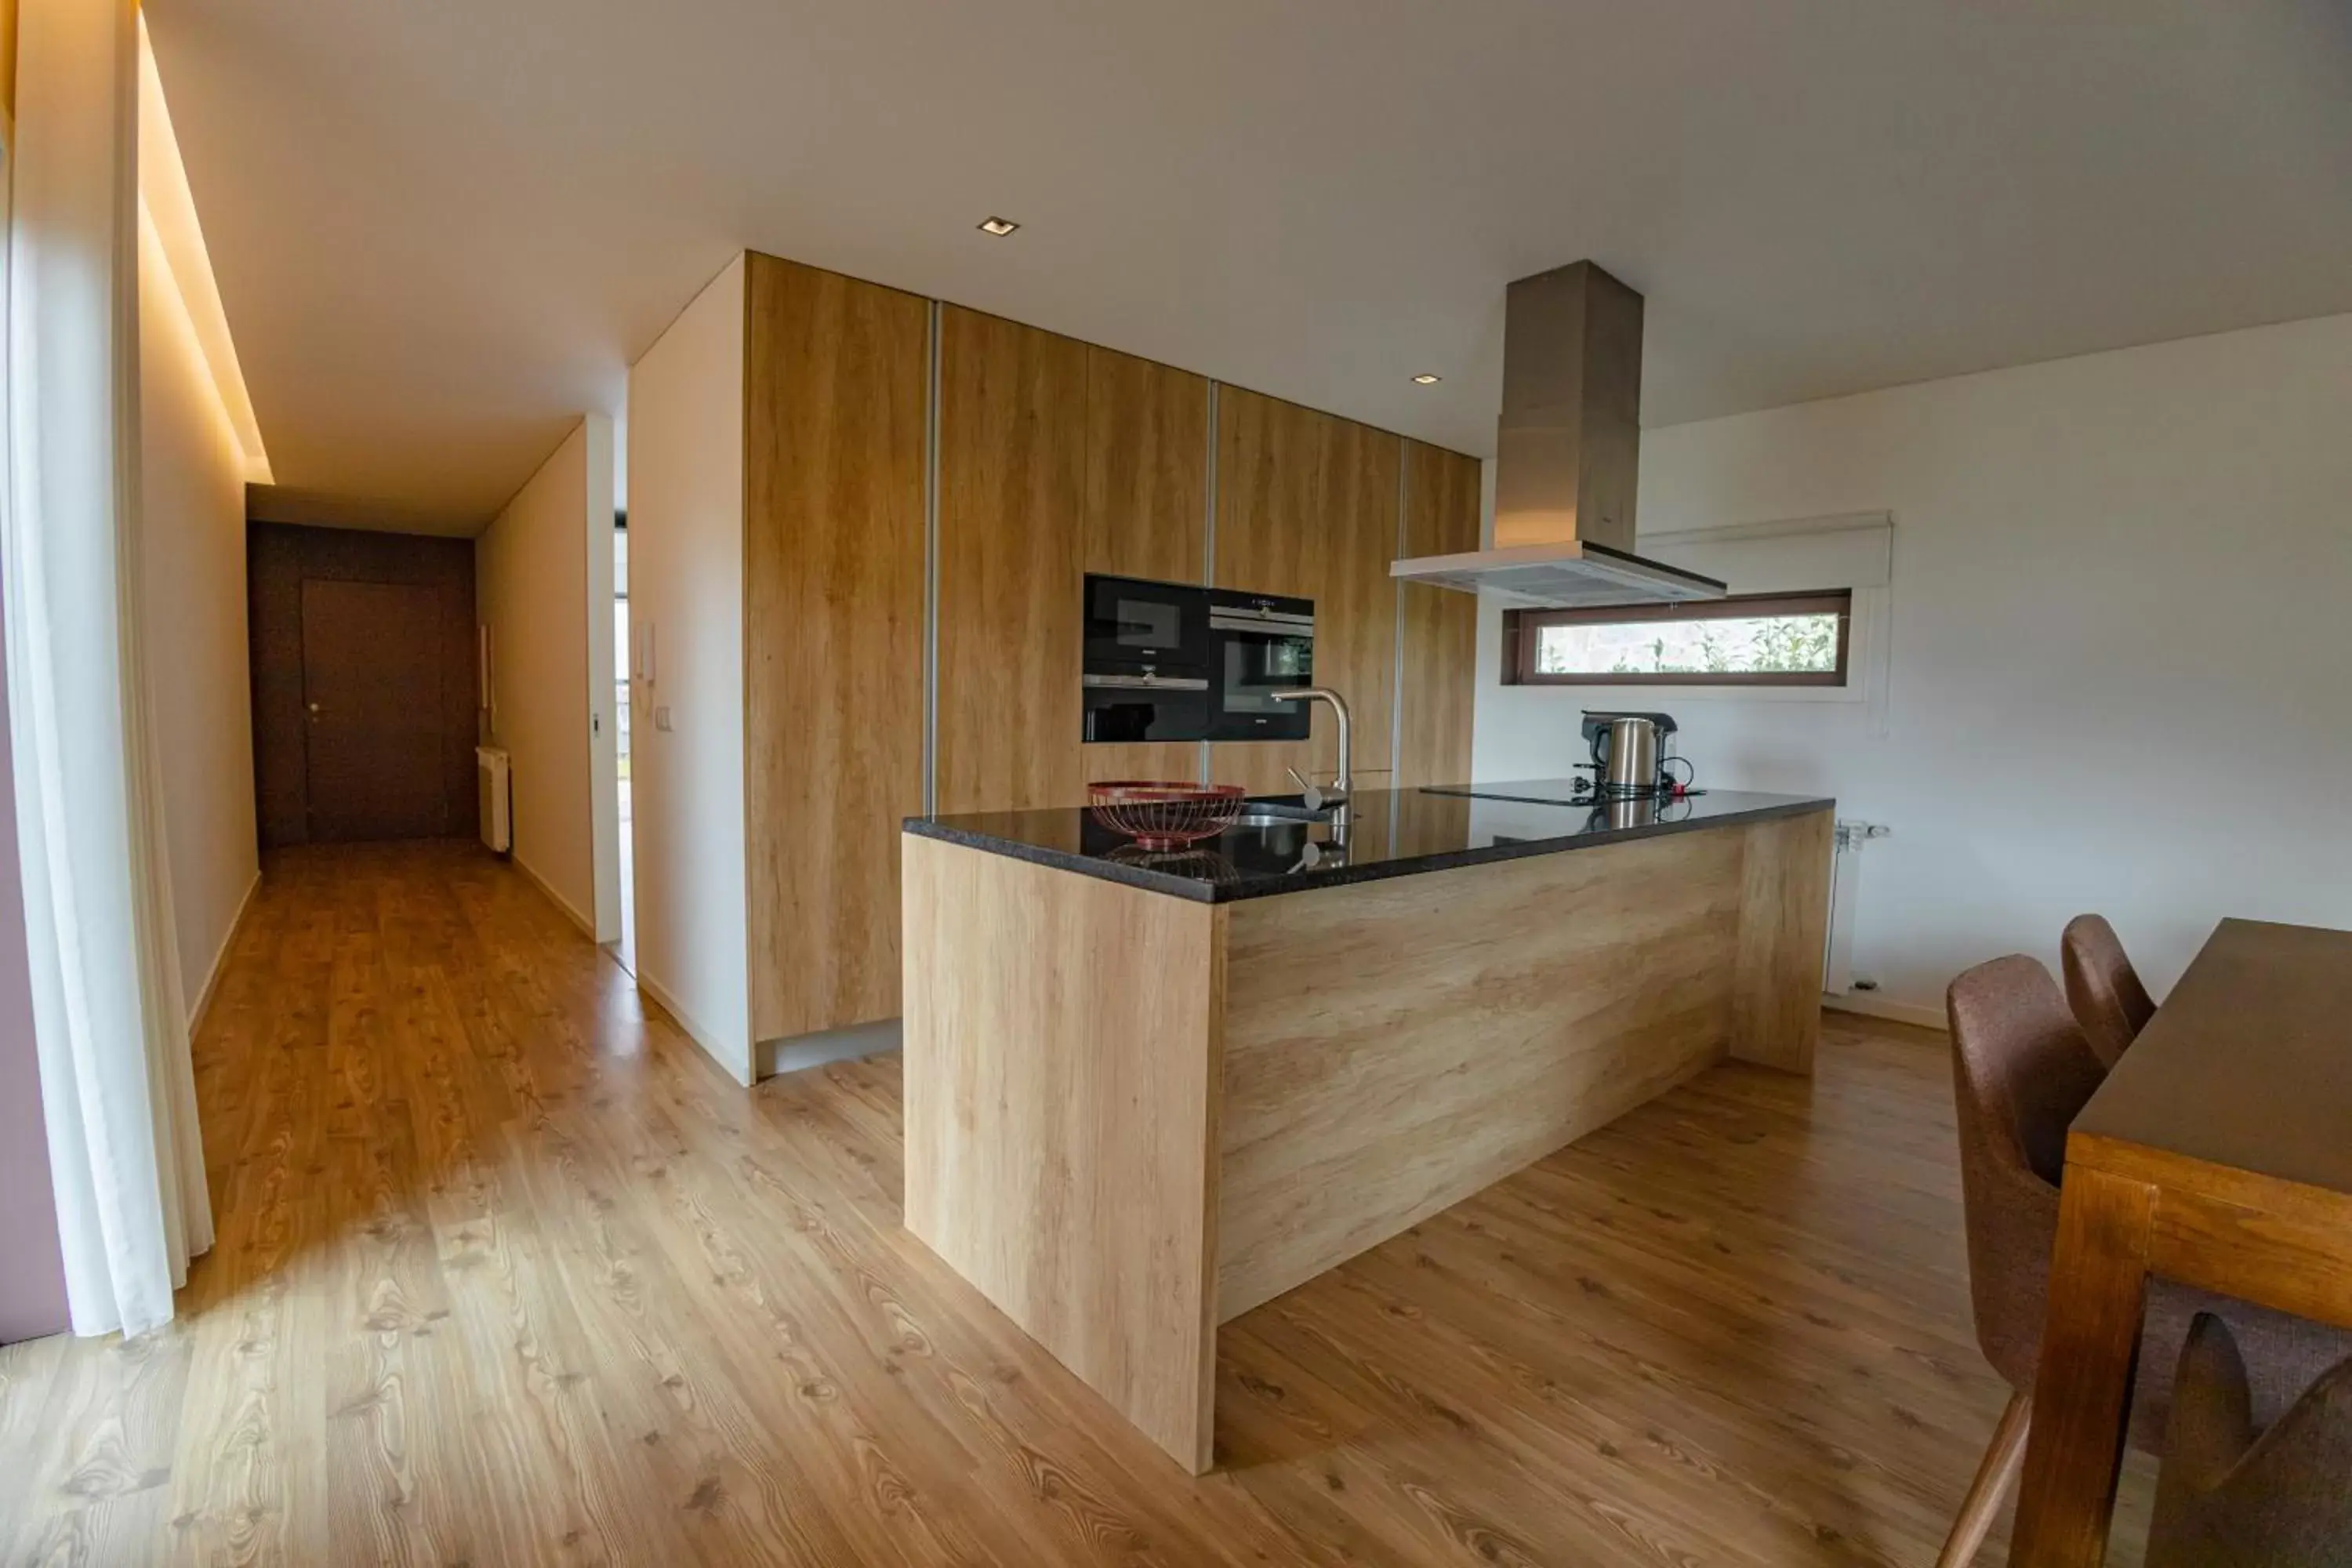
x=1147 y=1092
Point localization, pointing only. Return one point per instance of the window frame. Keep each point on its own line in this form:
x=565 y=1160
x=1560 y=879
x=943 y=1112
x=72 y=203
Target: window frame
x=1522 y=634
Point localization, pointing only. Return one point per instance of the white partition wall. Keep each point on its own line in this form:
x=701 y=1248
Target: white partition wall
x=597 y=528
x=535 y=585
x=686 y=612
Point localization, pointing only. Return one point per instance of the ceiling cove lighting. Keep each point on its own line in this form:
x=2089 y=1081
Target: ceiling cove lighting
x=1425 y=379
x=999 y=226
x=167 y=210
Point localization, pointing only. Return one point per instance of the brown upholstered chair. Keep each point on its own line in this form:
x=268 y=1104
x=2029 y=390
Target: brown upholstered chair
x=2233 y=1495
x=2101 y=986
x=2021 y=1071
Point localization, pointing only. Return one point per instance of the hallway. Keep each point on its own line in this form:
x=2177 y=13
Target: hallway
x=509 y=1273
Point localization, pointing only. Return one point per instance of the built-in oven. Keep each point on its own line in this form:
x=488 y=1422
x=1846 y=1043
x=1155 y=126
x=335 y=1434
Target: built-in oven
x=1146 y=676
x=1259 y=645
x=1146 y=707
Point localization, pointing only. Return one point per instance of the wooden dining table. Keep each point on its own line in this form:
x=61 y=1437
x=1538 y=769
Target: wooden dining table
x=2218 y=1153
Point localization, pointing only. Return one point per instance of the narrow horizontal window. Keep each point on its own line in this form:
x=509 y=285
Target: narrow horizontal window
x=1755 y=640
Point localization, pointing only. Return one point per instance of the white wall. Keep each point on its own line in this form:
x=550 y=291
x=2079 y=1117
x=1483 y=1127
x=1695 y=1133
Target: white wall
x=2121 y=659
x=192 y=604
x=533 y=584
x=598 y=528
x=686 y=589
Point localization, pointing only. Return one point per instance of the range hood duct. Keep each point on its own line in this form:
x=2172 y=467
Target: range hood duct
x=1566 y=453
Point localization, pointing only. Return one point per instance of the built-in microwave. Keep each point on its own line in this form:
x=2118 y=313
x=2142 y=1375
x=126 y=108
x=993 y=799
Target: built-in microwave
x=1259 y=644
x=1132 y=625
x=1175 y=661
x=1146 y=675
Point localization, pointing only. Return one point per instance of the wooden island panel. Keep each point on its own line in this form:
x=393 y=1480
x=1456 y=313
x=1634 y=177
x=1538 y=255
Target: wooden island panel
x=1393 y=1048
x=1061 y=1071
x=1784 y=924
x=1132 y=1116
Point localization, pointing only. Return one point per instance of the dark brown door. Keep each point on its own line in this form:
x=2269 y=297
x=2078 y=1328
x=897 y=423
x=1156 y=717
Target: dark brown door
x=372 y=701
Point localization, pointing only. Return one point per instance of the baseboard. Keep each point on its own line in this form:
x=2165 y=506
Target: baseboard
x=570 y=911
x=204 y=1002
x=1870 y=1006
x=797 y=1053
x=694 y=1031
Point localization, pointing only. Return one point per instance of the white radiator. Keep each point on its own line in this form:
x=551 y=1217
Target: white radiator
x=1845 y=885
x=492 y=771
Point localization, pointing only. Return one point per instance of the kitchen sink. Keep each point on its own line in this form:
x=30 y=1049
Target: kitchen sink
x=1278 y=814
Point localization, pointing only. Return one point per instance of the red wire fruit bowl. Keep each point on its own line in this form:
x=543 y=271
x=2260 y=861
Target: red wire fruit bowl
x=1160 y=816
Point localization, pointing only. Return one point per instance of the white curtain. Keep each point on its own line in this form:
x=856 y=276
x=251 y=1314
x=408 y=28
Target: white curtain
x=118 y=1088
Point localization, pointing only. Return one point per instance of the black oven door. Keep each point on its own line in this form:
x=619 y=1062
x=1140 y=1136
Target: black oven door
x=1129 y=707
x=1139 y=626
x=1260 y=645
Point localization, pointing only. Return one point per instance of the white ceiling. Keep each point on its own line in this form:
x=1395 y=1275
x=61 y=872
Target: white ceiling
x=443 y=229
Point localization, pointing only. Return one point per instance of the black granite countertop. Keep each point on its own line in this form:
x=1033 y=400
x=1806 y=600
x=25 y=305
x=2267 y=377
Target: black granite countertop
x=1390 y=833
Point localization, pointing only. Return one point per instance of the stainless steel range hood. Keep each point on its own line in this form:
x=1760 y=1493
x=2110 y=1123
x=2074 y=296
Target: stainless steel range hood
x=1568 y=449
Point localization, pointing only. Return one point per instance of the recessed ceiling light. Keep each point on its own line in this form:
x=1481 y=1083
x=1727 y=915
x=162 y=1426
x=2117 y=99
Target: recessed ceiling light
x=1425 y=379
x=999 y=226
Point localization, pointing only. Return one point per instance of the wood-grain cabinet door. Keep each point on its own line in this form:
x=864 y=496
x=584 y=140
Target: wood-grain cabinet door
x=1012 y=487
x=1438 y=663
x=835 y=392
x=1146 y=512
x=1308 y=504
x=1147 y=504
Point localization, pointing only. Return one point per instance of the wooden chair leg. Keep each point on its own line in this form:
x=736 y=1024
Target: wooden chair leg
x=1995 y=1475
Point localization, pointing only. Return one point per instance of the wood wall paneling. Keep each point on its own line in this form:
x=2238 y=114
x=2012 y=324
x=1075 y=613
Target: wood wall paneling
x=1061 y=1100
x=1013 y=484
x=280 y=558
x=1147 y=468
x=1438 y=689
x=835 y=374
x=1307 y=504
x=1258 y=766
x=1157 y=761
x=1356 y=1102
x=1145 y=514
x=1784 y=914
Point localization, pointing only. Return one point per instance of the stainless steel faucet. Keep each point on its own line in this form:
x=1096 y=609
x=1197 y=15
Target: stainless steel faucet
x=1345 y=783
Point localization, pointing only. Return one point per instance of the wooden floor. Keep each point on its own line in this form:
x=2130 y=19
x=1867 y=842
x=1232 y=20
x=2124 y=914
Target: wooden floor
x=508 y=1273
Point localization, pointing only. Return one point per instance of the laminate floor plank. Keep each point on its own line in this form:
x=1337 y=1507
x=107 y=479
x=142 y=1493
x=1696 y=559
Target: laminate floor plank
x=1755 y=1464
x=509 y=1272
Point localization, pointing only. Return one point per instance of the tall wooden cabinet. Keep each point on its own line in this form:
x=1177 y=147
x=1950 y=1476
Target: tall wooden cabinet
x=899 y=455
x=1147 y=510
x=1056 y=458
x=1012 y=481
x=1438 y=627
x=835 y=393
x=1308 y=504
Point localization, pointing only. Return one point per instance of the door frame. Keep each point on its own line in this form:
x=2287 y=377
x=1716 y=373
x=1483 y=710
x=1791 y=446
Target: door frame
x=604 y=737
